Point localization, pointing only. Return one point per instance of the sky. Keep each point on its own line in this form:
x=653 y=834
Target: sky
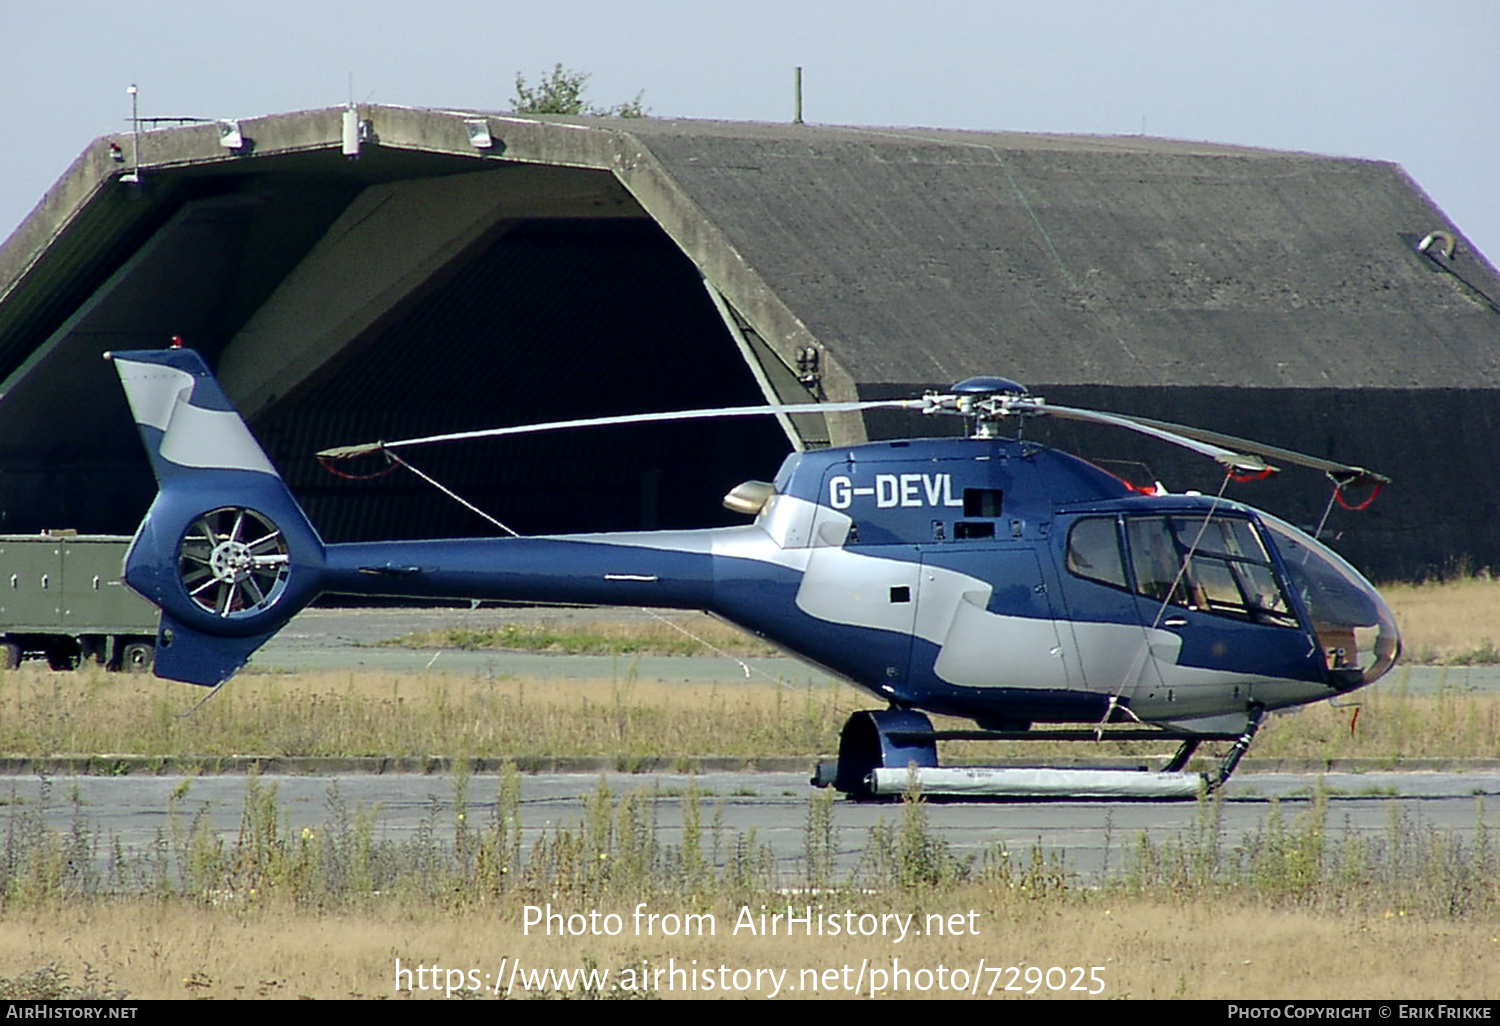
x=1417 y=84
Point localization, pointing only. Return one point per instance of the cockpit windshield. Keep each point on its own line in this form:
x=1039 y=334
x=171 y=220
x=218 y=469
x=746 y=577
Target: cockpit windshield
x=1354 y=625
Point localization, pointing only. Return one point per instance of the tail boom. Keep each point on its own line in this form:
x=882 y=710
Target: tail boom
x=544 y=569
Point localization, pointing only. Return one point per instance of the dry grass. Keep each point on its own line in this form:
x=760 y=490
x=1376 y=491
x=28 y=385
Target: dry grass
x=360 y=713
x=1387 y=723
x=374 y=714
x=1453 y=622
x=1147 y=948
x=680 y=635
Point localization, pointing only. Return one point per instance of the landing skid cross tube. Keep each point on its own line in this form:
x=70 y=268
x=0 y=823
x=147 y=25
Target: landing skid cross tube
x=882 y=753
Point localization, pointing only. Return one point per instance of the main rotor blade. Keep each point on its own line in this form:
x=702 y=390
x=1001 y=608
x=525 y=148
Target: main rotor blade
x=1164 y=432
x=344 y=451
x=1331 y=467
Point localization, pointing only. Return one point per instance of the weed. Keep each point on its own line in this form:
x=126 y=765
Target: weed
x=52 y=983
x=820 y=840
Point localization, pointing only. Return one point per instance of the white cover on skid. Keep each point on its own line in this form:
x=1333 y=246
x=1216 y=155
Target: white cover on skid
x=1000 y=782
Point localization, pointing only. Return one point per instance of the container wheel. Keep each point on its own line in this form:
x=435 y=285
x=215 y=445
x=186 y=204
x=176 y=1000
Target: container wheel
x=137 y=657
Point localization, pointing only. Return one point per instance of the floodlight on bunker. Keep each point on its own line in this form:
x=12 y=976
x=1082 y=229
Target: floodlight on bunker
x=479 y=133
x=1445 y=242
x=133 y=176
x=352 y=134
x=229 y=134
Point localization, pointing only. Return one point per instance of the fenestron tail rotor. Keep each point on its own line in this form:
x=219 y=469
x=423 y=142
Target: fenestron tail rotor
x=233 y=562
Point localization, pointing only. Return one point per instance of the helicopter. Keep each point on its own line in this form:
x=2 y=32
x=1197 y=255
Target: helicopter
x=987 y=578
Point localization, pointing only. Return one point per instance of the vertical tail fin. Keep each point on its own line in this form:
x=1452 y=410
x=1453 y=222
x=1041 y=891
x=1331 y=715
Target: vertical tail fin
x=224 y=551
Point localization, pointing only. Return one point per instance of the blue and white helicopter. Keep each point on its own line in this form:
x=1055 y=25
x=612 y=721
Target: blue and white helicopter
x=992 y=579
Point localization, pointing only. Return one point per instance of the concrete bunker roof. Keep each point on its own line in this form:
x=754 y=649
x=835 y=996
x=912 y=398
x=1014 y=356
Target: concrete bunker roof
x=905 y=255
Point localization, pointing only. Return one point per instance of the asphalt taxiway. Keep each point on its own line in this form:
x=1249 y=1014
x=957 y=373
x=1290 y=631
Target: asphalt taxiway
x=134 y=814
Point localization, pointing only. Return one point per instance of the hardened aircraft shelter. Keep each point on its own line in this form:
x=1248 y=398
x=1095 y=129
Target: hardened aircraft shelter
x=382 y=272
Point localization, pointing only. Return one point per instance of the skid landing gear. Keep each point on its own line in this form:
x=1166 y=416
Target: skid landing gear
x=881 y=752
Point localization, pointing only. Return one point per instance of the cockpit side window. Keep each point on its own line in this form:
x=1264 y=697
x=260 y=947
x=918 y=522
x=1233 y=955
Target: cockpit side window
x=1155 y=562
x=1094 y=551
x=1218 y=565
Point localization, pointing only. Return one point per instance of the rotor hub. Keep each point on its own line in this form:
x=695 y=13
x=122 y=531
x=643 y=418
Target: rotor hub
x=231 y=560
x=983 y=402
